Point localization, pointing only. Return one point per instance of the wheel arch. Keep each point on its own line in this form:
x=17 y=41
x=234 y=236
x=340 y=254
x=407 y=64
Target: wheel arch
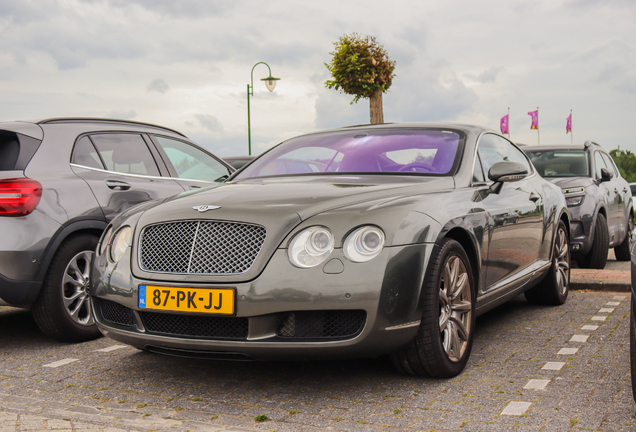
x=468 y=242
x=92 y=227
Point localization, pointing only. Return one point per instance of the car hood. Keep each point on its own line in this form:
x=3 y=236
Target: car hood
x=570 y=182
x=280 y=204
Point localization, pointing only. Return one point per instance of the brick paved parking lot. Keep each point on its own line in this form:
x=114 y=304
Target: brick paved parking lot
x=532 y=369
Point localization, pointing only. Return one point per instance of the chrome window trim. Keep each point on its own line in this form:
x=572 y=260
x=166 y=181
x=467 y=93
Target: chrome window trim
x=488 y=182
x=138 y=175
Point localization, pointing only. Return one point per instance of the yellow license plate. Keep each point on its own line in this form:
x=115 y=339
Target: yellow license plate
x=203 y=300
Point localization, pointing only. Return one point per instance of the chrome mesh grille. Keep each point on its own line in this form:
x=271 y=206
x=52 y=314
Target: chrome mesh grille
x=200 y=247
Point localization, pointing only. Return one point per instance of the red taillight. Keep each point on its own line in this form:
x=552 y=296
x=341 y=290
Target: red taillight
x=19 y=197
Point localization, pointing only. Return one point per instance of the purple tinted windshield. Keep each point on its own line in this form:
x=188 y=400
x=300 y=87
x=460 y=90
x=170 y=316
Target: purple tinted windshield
x=404 y=151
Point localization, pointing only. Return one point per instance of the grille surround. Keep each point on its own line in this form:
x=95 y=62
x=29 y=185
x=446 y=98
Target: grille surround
x=322 y=325
x=200 y=247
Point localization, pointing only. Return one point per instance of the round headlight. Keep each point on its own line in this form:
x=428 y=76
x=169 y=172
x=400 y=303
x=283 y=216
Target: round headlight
x=105 y=239
x=120 y=243
x=363 y=244
x=310 y=247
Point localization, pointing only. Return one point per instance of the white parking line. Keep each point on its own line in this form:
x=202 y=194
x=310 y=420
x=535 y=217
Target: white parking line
x=589 y=327
x=111 y=348
x=60 y=363
x=516 y=408
x=612 y=303
x=579 y=338
x=567 y=351
x=536 y=384
x=605 y=310
x=619 y=298
x=599 y=318
x=553 y=366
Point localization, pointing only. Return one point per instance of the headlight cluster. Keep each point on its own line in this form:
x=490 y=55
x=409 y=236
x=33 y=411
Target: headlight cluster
x=115 y=244
x=313 y=245
x=574 y=201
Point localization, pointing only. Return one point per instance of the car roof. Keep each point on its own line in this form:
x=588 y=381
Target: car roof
x=563 y=146
x=32 y=125
x=412 y=125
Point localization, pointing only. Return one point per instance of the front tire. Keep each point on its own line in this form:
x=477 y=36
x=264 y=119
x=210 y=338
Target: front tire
x=444 y=340
x=597 y=257
x=555 y=286
x=63 y=310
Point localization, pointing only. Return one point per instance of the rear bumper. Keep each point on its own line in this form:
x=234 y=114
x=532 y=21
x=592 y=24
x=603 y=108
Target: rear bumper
x=18 y=293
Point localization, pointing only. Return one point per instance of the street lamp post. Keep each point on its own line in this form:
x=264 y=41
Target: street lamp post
x=270 y=83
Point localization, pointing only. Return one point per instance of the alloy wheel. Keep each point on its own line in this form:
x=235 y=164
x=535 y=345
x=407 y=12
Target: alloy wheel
x=455 y=302
x=562 y=260
x=75 y=289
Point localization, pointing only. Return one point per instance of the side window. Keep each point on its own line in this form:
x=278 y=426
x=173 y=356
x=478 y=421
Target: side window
x=599 y=162
x=126 y=153
x=493 y=149
x=192 y=163
x=86 y=155
x=610 y=164
x=478 y=172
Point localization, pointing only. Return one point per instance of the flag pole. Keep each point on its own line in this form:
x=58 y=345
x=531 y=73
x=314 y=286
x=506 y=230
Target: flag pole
x=538 y=137
x=571 y=132
x=508 y=122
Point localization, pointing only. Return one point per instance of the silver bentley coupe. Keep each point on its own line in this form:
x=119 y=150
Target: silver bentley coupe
x=355 y=242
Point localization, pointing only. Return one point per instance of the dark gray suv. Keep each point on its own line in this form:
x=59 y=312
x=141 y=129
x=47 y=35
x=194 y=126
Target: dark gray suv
x=598 y=199
x=61 y=182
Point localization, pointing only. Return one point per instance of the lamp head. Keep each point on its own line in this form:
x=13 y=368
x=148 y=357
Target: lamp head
x=270 y=82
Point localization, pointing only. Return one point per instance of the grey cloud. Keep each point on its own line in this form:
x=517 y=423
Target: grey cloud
x=26 y=11
x=158 y=85
x=487 y=76
x=210 y=122
x=180 y=8
x=334 y=110
x=122 y=114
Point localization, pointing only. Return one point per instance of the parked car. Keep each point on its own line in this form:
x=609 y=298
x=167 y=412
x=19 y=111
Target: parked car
x=632 y=318
x=632 y=187
x=238 y=162
x=61 y=182
x=598 y=198
x=392 y=248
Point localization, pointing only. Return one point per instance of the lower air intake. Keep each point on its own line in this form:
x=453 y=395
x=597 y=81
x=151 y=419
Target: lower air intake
x=116 y=313
x=339 y=324
x=195 y=326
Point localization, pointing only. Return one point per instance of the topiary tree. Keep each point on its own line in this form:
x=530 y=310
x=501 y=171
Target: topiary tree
x=361 y=67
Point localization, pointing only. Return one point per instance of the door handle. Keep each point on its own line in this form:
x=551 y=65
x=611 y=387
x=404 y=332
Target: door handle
x=534 y=197
x=195 y=187
x=117 y=185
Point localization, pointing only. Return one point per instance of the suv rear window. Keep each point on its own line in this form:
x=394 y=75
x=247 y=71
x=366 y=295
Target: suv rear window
x=16 y=150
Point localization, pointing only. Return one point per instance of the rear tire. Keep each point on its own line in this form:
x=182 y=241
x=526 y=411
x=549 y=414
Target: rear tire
x=555 y=286
x=622 y=250
x=444 y=340
x=63 y=310
x=597 y=257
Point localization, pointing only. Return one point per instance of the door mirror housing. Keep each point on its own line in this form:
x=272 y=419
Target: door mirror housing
x=507 y=172
x=605 y=175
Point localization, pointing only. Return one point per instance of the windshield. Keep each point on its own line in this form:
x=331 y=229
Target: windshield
x=560 y=163
x=404 y=151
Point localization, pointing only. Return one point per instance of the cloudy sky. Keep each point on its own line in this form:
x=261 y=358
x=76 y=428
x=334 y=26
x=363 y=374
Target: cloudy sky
x=186 y=64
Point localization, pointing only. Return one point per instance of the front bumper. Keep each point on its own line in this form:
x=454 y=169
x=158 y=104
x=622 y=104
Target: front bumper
x=386 y=290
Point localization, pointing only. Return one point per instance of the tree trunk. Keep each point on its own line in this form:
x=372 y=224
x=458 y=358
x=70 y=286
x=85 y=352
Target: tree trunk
x=375 y=104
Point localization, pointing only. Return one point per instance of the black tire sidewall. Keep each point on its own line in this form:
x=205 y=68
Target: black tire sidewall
x=49 y=310
x=429 y=327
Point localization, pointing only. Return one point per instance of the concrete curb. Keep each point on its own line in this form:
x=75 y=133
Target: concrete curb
x=600 y=280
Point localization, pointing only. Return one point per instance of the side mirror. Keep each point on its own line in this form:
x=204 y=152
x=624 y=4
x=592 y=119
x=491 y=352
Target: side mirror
x=507 y=172
x=605 y=175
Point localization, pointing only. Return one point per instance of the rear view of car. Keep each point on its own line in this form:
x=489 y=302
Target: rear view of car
x=61 y=182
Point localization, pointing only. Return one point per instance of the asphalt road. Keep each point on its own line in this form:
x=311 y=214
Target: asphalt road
x=532 y=369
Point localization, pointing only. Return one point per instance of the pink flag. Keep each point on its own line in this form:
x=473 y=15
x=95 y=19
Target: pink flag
x=568 y=124
x=503 y=124
x=535 y=119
